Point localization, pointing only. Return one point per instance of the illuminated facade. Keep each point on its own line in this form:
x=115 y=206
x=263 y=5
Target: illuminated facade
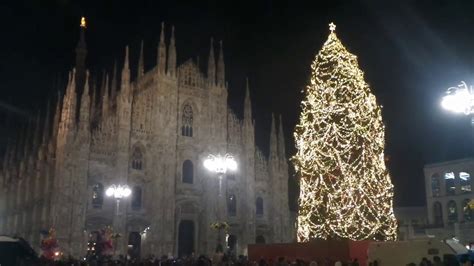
x=151 y=132
x=449 y=188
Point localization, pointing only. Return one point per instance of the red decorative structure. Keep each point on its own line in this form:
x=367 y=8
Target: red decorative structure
x=49 y=245
x=105 y=246
x=317 y=250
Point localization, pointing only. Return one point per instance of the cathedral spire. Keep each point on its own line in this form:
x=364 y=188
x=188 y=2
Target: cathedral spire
x=281 y=141
x=11 y=156
x=6 y=155
x=125 y=82
x=84 y=118
x=172 y=55
x=81 y=54
x=105 y=97
x=57 y=116
x=211 y=65
x=273 y=140
x=141 y=64
x=221 y=67
x=68 y=113
x=102 y=83
x=20 y=143
x=27 y=137
x=37 y=133
x=46 y=126
x=162 y=51
x=93 y=92
x=247 y=103
x=113 y=90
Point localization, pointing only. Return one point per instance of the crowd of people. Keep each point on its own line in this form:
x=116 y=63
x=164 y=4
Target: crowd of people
x=446 y=261
x=219 y=259
x=224 y=259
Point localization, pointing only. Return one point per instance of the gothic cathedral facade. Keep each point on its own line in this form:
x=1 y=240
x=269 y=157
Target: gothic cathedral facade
x=152 y=133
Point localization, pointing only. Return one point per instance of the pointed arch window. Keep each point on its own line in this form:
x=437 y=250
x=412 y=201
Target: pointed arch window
x=136 y=198
x=137 y=159
x=259 y=206
x=231 y=205
x=188 y=172
x=187 y=121
x=452 y=211
x=97 y=196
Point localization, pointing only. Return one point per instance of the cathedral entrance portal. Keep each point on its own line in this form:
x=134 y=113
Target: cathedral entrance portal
x=134 y=245
x=232 y=244
x=185 y=238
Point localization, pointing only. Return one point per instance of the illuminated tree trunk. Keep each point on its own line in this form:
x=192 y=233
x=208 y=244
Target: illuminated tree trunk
x=346 y=191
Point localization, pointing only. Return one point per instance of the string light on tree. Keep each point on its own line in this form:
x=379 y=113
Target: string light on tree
x=346 y=191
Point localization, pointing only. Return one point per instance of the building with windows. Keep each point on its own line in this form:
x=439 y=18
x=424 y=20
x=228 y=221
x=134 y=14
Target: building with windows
x=449 y=188
x=151 y=132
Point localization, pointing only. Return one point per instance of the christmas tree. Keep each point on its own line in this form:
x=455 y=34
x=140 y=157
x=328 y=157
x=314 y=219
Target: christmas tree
x=346 y=191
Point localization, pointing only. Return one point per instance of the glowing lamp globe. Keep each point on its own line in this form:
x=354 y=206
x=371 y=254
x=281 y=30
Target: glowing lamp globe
x=220 y=164
x=118 y=191
x=459 y=99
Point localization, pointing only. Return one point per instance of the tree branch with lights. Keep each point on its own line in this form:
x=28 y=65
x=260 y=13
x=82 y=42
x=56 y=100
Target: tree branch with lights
x=346 y=191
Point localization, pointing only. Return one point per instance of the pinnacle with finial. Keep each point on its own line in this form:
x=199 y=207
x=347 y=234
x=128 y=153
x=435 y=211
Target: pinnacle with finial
x=162 y=34
x=172 y=34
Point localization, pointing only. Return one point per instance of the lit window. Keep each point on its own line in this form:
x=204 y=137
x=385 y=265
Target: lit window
x=449 y=183
x=452 y=212
x=465 y=182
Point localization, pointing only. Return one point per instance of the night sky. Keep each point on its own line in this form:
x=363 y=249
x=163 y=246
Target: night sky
x=411 y=52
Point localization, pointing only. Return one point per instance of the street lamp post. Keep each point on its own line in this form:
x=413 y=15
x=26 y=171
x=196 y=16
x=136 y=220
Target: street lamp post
x=219 y=165
x=460 y=99
x=118 y=192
